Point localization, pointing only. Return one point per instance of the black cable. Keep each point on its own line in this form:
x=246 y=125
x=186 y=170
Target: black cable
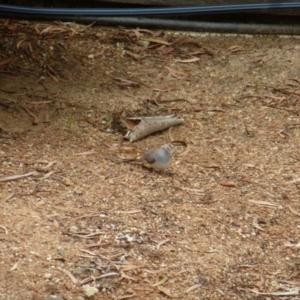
x=150 y=11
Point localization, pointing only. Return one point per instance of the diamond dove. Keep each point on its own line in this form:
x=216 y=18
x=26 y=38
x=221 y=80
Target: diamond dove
x=159 y=158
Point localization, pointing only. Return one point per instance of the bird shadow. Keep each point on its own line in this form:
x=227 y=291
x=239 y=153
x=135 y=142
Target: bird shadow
x=163 y=173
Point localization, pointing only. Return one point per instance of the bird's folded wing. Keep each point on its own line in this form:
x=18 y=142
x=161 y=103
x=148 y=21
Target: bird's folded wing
x=150 y=157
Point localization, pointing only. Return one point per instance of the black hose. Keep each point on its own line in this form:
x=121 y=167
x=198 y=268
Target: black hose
x=192 y=25
x=78 y=15
x=149 y=11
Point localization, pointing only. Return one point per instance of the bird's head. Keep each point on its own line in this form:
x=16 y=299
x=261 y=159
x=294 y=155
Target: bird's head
x=167 y=149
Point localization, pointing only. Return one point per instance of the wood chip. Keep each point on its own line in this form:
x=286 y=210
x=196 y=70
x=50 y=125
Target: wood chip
x=187 y=60
x=256 y=225
x=85 y=153
x=165 y=291
x=4 y=228
x=135 y=211
x=9 y=196
x=193 y=287
x=227 y=184
x=14 y=267
x=156 y=41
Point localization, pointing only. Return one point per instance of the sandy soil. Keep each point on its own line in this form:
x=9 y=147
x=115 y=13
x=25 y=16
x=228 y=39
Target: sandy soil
x=222 y=222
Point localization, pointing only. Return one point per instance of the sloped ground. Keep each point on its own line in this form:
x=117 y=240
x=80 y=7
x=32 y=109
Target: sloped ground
x=222 y=222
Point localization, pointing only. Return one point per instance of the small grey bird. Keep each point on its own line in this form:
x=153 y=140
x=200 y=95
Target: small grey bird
x=159 y=158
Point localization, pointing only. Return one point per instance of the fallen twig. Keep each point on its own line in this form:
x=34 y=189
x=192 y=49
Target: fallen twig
x=48 y=166
x=88 y=252
x=16 y=177
x=287 y=292
x=294 y=211
x=99 y=277
x=73 y=279
x=259 y=202
x=125 y=297
x=36 y=120
x=161 y=243
x=47 y=175
x=89 y=236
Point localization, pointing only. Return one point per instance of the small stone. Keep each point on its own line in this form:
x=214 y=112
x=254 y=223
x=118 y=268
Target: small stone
x=73 y=229
x=143 y=43
x=61 y=252
x=78 y=191
x=89 y=291
x=79 y=271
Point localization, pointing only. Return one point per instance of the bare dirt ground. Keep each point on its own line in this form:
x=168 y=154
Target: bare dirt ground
x=222 y=222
